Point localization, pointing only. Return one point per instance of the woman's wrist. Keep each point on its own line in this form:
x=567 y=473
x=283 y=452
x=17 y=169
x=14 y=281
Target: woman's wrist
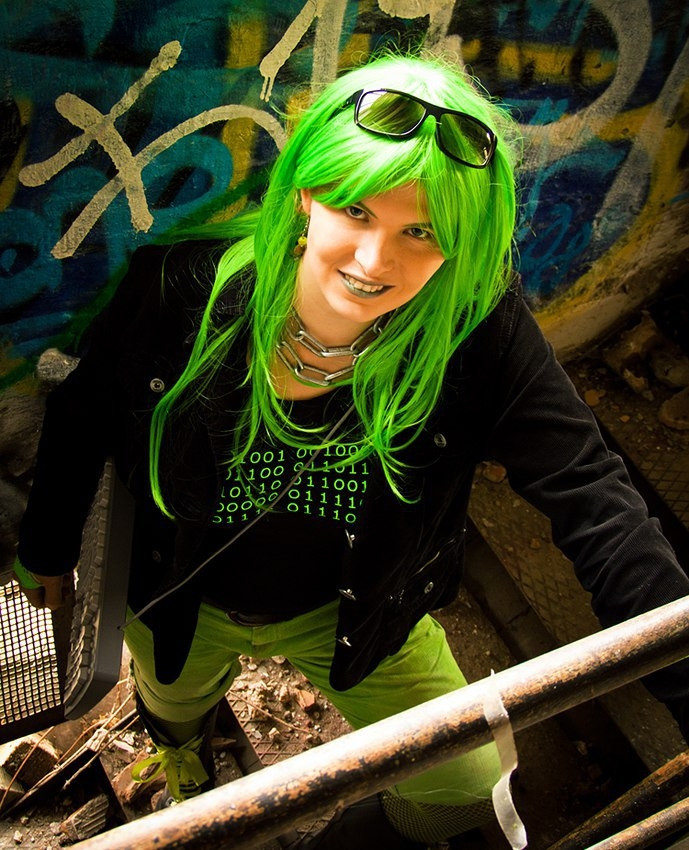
x=25 y=577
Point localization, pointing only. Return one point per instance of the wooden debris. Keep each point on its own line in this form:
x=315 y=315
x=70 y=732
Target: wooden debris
x=128 y=791
x=10 y=791
x=32 y=757
x=88 y=820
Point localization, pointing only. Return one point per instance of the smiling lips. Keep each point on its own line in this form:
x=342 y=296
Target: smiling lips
x=361 y=289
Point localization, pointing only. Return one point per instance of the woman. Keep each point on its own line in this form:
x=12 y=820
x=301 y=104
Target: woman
x=299 y=416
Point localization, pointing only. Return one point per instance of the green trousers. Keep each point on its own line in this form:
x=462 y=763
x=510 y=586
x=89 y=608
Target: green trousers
x=423 y=669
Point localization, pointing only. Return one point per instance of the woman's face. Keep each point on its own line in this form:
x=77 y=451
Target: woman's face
x=368 y=258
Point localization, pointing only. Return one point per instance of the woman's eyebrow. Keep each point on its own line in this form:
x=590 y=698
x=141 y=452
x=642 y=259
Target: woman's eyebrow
x=426 y=224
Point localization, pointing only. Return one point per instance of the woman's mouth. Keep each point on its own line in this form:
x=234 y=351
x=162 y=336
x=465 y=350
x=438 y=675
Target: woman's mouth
x=360 y=289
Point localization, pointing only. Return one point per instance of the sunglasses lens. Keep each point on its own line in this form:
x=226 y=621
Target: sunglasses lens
x=396 y=115
x=466 y=140
x=389 y=113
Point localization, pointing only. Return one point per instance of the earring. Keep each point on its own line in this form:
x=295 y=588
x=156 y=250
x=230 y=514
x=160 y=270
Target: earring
x=302 y=241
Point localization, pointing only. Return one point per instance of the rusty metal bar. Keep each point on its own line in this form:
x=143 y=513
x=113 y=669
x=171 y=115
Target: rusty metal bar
x=665 y=824
x=639 y=802
x=256 y=808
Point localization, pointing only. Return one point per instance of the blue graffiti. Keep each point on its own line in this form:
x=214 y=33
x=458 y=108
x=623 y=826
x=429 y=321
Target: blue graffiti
x=96 y=52
x=557 y=239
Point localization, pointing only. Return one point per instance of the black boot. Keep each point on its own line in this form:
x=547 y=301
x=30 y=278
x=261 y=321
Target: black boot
x=361 y=826
x=189 y=767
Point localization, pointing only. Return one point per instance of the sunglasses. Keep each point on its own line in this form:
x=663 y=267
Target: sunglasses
x=398 y=115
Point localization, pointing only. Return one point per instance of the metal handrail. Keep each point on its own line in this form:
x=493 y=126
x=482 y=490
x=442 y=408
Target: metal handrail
x=638 y=802
x=649 y=831
x=263 y=805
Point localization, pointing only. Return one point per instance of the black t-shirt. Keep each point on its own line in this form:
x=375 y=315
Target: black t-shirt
x=288 y=562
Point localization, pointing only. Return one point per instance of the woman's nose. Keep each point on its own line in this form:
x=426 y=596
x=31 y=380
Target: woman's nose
x=374 y=254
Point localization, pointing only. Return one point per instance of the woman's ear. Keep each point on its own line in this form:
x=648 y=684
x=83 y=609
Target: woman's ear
x=305 y=200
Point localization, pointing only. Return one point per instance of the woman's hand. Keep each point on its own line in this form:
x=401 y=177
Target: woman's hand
x=45 y=591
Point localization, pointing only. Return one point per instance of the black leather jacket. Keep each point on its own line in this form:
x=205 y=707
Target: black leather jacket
x=505 y=397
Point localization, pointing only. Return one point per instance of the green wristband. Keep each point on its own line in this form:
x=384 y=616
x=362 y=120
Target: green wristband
x=25 y=578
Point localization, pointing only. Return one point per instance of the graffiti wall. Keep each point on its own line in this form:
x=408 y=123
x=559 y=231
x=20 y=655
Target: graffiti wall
x=121 y=119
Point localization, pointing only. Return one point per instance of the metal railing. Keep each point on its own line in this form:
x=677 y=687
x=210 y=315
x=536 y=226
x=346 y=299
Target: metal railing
x=261 y=806
x=649 y=831
x=649 y=795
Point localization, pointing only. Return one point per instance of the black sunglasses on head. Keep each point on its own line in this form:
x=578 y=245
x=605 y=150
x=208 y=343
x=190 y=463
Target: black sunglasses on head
x=398 y=115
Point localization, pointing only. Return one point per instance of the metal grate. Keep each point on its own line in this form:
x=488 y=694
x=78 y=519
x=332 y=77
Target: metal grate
x=669 y=473
x=46 y=672
x=269 y=750
x=101 y=596
x=29 y=678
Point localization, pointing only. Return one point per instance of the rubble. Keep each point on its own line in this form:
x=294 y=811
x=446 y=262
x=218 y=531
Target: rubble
x=670 y=365
x=633 y=346
x=130 y=792
x=493 y=471
x=306 y=700
x=675 y=411
x=28 y=759
x=642 y=355
x=593 y=397
x=10 y=789
x=88 y=820
x=53 y=366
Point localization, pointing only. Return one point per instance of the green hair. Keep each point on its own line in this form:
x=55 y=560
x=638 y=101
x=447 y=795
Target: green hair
x=397 y=382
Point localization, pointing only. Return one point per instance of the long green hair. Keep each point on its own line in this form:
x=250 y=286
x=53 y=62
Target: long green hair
x=397 y=382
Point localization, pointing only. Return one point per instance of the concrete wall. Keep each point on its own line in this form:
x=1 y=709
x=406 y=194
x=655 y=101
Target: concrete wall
x=121 y=118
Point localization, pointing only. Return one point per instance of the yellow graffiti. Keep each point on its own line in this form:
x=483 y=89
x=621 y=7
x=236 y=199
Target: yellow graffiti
x=245 y=42
x=245 y=46
x=355 y=51
x=548 y=63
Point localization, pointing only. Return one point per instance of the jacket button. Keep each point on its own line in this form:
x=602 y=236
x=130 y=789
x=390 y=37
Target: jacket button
x=348 y=593
x=156 y=556
x=429 y=587
x=440 y=441
x=157 y=385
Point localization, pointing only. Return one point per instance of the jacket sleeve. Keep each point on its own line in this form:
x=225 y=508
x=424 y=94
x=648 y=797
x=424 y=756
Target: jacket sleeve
x=549 y=442
x=80 y=426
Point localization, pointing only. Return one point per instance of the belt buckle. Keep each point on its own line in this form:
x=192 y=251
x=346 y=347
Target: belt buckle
x=242 y=619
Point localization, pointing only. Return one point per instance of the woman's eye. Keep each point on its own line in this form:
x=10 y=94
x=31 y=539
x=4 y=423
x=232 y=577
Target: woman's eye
x=420 y=233
x=355 y=212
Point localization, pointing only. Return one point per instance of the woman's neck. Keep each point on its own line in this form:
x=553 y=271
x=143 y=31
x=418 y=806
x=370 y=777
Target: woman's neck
x=328 y=327
x=300 y=359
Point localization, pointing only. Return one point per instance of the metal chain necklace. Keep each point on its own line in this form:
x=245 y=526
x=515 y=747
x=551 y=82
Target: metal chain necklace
x=295 y=332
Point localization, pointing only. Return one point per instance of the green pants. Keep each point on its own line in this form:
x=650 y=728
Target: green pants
x=423 y=669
